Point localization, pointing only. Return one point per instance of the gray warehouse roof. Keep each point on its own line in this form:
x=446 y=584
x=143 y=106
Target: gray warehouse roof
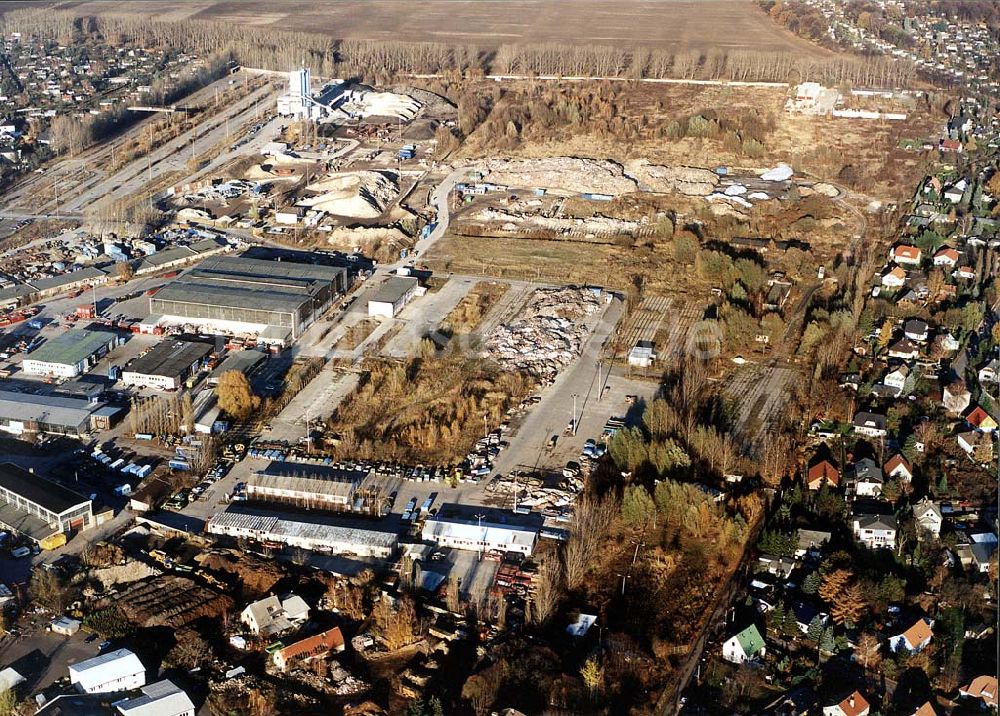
x=48 y=495
x=72 y=347
x=314 y=479
x=286 y=526
x=394 y=289
x=169 y=358
x=49 y=409
x=243 y=361
x=85 y=274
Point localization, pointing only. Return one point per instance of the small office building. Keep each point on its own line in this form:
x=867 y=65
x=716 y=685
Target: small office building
x=167 y=365
x=392 y=296
x=483 y=529
x=70 y=354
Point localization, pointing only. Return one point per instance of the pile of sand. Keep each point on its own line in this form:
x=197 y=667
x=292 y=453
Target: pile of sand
x=363 y=236
x=359 y=195
x=369 y=103
x=569 y=174
x=691 y=181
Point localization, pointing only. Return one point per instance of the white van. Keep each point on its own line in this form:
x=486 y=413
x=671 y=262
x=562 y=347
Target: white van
x=20 y=552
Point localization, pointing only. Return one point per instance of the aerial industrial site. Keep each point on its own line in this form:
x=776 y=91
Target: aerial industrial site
x=566 y=358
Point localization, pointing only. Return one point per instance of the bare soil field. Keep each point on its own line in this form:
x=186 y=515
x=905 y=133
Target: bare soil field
x=666 y=24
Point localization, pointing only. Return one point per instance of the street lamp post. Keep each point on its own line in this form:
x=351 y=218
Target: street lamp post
x=575 y=421
x=480 y=517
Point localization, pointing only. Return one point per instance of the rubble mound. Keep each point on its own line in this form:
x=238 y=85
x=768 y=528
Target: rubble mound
x=358 y=237
x=826 y=190
x=359 y=195
x=171 y=601
x=123 y=573
x=369 y=103
x=691 y=181
x=547 y=334
x=569 y=174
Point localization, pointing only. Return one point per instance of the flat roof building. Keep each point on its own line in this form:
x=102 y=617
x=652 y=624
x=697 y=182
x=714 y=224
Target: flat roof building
x=234 y=294
x=483 y=529
x=70 y=354
x=392 y=296
x=245 y=362
x=312 y=533
x=167 y=365
x=118 y=670
x=308 y=486
x=164 y=698
x=26 y=413
x=39 y=508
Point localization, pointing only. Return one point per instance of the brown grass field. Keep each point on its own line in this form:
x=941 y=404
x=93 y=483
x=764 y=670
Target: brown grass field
x=666 y=24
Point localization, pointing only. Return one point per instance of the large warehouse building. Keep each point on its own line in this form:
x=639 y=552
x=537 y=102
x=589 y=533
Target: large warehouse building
x=308 y=486
x=276 y=300
x=167 y=365
x=70 y=354
x=22 y=413
x=38 y=508
x=310 y=533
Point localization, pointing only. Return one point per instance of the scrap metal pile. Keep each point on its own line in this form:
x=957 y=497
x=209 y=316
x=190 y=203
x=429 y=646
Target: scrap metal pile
x=548 y=333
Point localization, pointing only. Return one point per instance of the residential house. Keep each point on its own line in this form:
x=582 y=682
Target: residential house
x=745 y=646
x=908 y=255
x=875 y=531
x=312 y=647
x=979 y=419
x=904 y=349
x=983 y=688
x=894 y=278
x=899 y=467
x=914 y=639
x=810 y=541
x=946 y=256
x=822 y=473
x=871 y=424
x=895 y=379
x=973 y=441
x=777 y=565
x=955 y=192
x=928 y=516
x=948 y=342
x=916 y=330
x=966 y=273
x=868 y=479
x=853 y=705
x=982 y=554
x=805 y=612
x=990 y=373
x=118 y=670
x=271 y=615
x=927 y=709
x=956 y=398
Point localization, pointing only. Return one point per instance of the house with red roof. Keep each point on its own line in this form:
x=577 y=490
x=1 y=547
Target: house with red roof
x=905 y=254
x=946 y=256
x=312 y=647
x=980 y=420
x=899 y=467
x=853 y=705
x=822 y=473
x=914 y=639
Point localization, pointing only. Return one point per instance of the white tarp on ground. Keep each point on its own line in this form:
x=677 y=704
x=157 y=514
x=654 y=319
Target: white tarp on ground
x=782 y=172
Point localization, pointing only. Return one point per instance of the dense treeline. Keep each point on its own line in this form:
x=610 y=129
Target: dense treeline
x=274 y=49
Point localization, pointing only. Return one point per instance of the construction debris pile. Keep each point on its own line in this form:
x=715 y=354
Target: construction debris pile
x=568 y=174
x=548 y=333
x=690 y=181
x=594 y=225
x=554 y=503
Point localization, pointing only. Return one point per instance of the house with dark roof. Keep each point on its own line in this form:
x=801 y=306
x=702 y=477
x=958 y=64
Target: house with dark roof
x=875 y=531
x=867 y=478
x=873 y=425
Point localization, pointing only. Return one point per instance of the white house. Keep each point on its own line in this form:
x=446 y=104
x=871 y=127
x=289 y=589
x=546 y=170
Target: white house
x=875 y=531
x=927 y=514
x=642 y=354
x=744 y=646
x=904 y=349
x=118 y=670
x=271 y=615
x=916 y=330
x=990 y=373
x=899 y=467
x=164 y=698
x=946 y=256
x=871 y=424
x=913 y=639
x=868 y=479
x=894 y=278
x=896 y=378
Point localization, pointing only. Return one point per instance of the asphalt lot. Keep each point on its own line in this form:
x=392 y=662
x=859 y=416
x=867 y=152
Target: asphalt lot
x=43 y=657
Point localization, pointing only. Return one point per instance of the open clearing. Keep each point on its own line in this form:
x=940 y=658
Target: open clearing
x=668 y=24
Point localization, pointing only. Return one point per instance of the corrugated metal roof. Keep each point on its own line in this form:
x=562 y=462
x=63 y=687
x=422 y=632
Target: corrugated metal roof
x=274 y=527
x=104 y=668
x=49 y=409
x=72 y=347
